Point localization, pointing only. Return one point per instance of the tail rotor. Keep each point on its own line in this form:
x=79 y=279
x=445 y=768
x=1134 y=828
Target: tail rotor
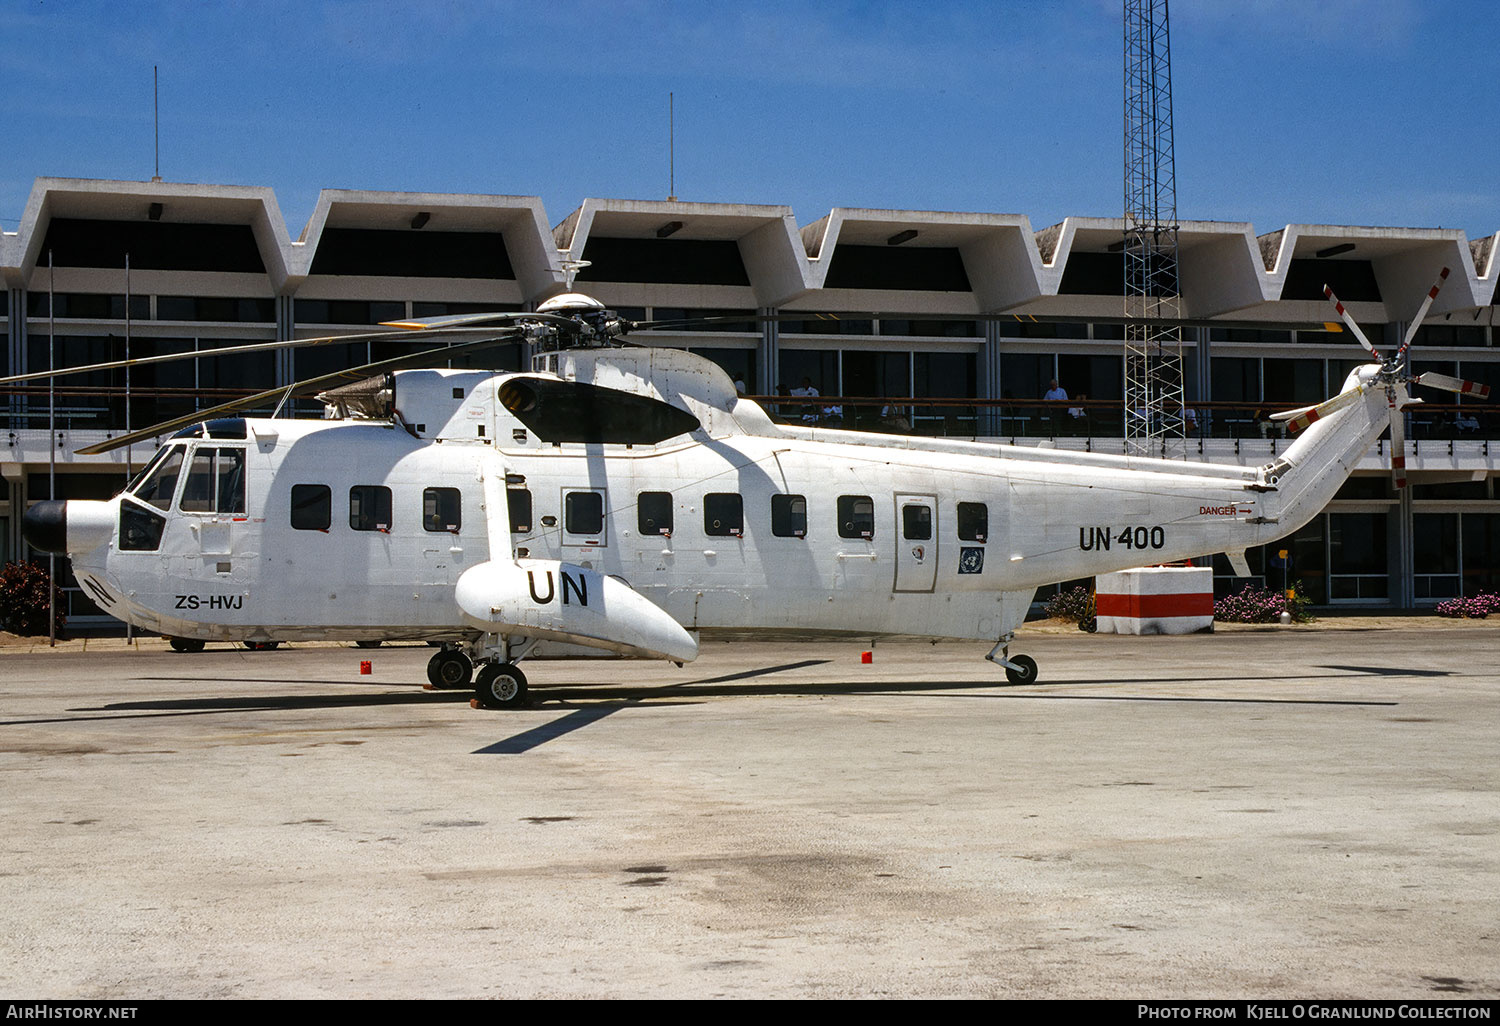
x=1395 y=375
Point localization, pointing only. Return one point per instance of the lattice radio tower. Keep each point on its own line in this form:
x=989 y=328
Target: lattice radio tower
x=1154 y=415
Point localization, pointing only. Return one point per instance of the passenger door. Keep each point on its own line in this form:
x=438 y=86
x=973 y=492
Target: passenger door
x=916 y=543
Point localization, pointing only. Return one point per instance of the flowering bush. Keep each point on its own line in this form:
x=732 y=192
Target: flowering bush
x=24 y=588
x=1254 y=604
x=1475 y=607
x=1076 y=605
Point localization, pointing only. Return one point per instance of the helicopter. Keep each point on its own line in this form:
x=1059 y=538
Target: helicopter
x=625 y=498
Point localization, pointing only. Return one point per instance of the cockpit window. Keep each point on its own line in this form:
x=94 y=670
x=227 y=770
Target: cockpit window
x=140 y=528
x=198 y=493
x=148 y=469
x=157 y=488
x=215 y=481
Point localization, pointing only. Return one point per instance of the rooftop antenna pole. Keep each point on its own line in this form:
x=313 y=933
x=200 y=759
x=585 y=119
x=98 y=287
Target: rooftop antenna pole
x=51 y=448
x=671 y=147
x=129 y=627
x=156 y=119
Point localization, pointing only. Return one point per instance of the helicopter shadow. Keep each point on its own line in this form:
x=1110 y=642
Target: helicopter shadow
x=585 y=703
x=606 y=700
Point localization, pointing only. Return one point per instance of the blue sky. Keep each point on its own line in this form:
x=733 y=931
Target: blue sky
x=1339 y=111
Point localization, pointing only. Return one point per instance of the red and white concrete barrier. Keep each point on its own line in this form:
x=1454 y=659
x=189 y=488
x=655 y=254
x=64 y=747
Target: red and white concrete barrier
x=1155 y=600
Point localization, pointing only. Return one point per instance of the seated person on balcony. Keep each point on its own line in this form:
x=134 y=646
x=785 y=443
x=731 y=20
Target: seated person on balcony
x=1077 y=415
x=806 y=390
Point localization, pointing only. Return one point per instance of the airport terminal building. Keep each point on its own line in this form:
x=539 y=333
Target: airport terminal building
x=991 y=312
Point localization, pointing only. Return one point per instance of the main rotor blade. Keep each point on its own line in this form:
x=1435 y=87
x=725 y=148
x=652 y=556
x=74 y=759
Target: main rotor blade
x=255 y=347
x=1398 y=442
x=433 y=324
x=1416 y=322
x=1432 y=379
x=688 y=323
x=1328 y=292
x=308 y=386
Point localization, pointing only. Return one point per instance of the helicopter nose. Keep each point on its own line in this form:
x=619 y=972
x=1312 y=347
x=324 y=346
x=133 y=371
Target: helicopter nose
x=68 y=525
x=45 y=526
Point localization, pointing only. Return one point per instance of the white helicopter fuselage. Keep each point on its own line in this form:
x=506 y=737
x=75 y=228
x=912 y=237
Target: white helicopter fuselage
x=366 y=528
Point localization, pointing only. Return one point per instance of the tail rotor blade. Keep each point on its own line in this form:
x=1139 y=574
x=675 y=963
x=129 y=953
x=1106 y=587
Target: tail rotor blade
x=1398 y=443
x=1432 y=379
x=1328 y=292
x=1416 y=322
x=1299 y=419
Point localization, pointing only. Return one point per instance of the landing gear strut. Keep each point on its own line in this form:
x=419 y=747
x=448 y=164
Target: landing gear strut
x=500 y=685
x=1019 y=669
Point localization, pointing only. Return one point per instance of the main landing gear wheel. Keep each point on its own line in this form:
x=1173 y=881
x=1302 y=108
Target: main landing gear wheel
x=1027 y=672
x=186 y=645
x=261 y=646
x=449 y=669
x=501 y=686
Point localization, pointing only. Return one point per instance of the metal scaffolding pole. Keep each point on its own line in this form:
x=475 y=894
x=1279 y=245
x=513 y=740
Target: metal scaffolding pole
x=1154 y=411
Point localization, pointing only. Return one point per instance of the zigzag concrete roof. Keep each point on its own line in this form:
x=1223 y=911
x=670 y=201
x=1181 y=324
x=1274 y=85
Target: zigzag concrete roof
x=1227 y=271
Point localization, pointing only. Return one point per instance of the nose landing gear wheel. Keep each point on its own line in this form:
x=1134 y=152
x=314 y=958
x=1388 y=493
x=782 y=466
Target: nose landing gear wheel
x=1027 y=672
x=449 y=669
x=501 y=686
x=186 y=645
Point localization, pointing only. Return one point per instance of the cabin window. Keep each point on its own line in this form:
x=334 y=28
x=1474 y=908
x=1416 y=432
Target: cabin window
x=441 y=509
x=140 y=528
x=518 y=501
x=724 y=514
x=370 y=508
x=916 y=522
x=215 y=481
x=789 y=516
x=973 y=521
x=654 y=513
x=583 y=513
x=157 y=489
x=856 y=516
x=312 y=507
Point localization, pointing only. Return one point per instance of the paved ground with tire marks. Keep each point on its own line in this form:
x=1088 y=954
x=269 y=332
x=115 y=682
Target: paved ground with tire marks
x=1260 y=813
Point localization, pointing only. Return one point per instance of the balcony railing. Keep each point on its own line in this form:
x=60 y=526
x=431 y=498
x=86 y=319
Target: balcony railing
x=103 y=408
x=1091 y=418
